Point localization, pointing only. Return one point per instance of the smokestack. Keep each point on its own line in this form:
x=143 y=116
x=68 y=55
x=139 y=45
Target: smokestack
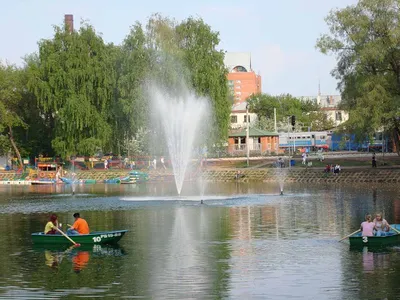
x=69 y=22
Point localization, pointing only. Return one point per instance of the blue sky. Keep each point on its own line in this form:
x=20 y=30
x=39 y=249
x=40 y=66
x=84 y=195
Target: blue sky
x=280 y=35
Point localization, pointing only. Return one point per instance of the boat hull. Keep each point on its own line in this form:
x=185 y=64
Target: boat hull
x=99 y=237
x=357 y=240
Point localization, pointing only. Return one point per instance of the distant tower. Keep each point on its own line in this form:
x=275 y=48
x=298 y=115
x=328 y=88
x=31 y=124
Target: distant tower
x=319 y=93
x=69 y=22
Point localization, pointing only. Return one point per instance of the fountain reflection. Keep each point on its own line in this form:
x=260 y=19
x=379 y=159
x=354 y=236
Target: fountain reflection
x=182 y=239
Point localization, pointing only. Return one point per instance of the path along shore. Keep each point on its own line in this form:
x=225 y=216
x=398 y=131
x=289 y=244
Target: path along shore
x=262 y=170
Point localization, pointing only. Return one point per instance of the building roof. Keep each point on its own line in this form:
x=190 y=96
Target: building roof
x=234 y=59
x=254 y=132
x=239 y=106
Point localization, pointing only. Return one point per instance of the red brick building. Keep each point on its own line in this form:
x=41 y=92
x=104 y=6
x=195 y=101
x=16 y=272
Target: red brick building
x=242 y=80
x=260 y=141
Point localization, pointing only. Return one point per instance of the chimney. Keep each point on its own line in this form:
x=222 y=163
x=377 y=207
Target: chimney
x=69 y=22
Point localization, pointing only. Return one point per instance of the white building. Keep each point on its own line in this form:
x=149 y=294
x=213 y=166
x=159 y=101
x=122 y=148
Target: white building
x=329 y=105
x=238 y=116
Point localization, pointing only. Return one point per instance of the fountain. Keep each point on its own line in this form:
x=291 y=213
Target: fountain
x=280 y=173
x=183 y=117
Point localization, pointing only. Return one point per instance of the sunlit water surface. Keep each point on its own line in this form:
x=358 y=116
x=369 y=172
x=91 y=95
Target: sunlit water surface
x=244 y=242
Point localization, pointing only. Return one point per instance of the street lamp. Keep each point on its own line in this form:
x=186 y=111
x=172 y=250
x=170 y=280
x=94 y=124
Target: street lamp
x=247 y=133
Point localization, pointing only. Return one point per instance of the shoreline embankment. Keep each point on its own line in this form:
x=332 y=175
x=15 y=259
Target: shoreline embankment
x=309 y=175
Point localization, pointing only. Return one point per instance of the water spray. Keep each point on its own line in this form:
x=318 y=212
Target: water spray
x=182 y=128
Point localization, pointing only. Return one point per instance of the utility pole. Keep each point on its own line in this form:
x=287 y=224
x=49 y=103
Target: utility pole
x=288 y=136
x=293 y=121
x=247 y=134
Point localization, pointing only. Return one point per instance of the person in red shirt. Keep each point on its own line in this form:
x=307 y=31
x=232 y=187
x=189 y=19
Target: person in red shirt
x=79 y=227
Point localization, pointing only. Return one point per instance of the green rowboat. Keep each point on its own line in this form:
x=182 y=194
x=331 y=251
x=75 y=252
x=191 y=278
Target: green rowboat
x=96 y=237
x=393 y=238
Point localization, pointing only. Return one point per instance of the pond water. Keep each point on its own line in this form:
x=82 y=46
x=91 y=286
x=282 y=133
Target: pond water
x=244 y=242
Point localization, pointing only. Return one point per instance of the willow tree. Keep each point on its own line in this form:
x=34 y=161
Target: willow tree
x=366 y=41
x=11 y=90
x=74 y=82
x=207 y=70
x=133 y=65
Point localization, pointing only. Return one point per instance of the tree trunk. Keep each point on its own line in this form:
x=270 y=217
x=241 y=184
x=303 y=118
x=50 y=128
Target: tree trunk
x=10 y=133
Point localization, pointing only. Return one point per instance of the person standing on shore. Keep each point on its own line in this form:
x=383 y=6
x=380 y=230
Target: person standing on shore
x=163 y=162
x=373 y=160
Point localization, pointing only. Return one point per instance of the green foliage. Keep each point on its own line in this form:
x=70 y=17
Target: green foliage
x=131 y=108
x=78 y=94
x=5 y=144
x=11 y=96
x=74 y=82
x=308 y=114
x=365 y=39
x=137 y=145
x=207 y=69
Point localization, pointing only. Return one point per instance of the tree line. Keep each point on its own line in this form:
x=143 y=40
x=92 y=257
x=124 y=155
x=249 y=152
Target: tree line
x=308 y=113
x=79 y=94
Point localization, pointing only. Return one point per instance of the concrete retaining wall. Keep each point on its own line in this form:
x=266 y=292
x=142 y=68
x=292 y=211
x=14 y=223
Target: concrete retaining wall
x=303 y=175
x=264 y=175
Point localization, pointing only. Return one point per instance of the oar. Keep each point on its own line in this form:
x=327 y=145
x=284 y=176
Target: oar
x=394 y=229
x=67 y=237
x=350 y=235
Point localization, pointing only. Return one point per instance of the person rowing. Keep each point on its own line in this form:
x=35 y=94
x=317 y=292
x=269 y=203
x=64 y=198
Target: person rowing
x=367 y=227
x=52 y=225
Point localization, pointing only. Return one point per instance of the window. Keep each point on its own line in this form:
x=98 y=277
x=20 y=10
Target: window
x=233 y=119
x=239 y=69
x=338 y=116
x=245 y=119
x=230 y=83
x=322 y=137
x=242 y=140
